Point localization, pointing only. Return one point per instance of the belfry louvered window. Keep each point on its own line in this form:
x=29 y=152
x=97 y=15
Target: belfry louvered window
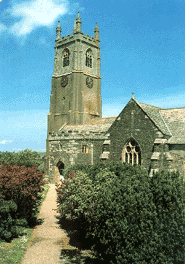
x=88 y=61
x=65 y=57
x=131 y=153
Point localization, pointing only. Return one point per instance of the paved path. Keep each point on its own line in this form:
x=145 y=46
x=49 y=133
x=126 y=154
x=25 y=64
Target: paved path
x=47 y=239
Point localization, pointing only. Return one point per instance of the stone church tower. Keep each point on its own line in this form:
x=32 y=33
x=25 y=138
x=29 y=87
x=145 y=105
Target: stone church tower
x=76 y=93
x=74 y=129
x=142 y=134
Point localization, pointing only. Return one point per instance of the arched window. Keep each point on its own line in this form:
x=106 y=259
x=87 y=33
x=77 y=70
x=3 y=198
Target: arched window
x=88 y=61
x=131 y=153
x=65 y=56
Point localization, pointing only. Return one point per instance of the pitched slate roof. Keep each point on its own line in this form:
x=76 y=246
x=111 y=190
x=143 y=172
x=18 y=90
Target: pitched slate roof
x=175 y=117
x=170 y=121
x=154 y=114
x=96 y=125
x=103 y=120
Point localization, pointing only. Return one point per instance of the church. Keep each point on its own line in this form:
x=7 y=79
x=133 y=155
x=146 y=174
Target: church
x=142 y=134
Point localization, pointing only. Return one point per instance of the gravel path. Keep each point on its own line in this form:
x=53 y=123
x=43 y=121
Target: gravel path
x=47 y=239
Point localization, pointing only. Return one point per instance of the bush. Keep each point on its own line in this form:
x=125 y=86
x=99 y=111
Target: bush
x=20 y=196
x=71 y=196
x=125 y=213
x=168 y=191
x=24 y=186
x=21 y=184
x=123 y=218
x=77 y=167
x=6 y=220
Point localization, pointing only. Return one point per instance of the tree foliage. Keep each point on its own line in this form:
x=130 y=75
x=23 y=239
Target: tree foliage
x=25 y=157
x=129 y=217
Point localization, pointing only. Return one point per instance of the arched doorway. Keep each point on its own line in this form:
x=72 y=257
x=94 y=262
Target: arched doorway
x=131 y=152
x=59 y=171
x=61 y=167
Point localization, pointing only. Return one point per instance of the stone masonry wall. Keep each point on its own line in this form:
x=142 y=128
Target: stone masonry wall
x=67 y=148
x=133 y=123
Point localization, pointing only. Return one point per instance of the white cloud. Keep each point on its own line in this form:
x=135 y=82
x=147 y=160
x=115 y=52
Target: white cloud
x=36 y=13
x=4 y=141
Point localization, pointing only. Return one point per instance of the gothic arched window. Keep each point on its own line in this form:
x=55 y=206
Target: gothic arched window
x=131 y=153
x=65 y=57
x=88 y=61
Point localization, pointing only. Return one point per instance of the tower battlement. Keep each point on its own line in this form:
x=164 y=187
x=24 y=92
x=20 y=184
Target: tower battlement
x=70 y=37
x=76 y=82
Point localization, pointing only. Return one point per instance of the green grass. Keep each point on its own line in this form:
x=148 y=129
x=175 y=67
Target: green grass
x=13 y=252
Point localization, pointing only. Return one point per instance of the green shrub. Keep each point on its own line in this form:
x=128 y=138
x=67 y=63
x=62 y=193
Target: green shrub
x=21 y=222
x=10 y=227
x=77 y=167
x=71 y=196
x=122 y=216
x=17 y=231
x=130 y=217
x=168 y=191
x=6 y=220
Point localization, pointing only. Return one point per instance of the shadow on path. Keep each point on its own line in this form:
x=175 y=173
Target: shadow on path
x=79 y=247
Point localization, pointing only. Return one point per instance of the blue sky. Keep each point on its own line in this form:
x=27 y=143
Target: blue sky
x=142 y=52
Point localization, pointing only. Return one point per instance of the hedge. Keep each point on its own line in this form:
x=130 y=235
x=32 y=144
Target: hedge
x=129 y=217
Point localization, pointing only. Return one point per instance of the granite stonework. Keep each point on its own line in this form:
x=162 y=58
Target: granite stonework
x=77 y=134
x=161 y=140
x=68 y=147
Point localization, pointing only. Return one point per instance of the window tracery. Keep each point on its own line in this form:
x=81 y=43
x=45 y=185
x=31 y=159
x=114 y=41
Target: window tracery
x=131 y=153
